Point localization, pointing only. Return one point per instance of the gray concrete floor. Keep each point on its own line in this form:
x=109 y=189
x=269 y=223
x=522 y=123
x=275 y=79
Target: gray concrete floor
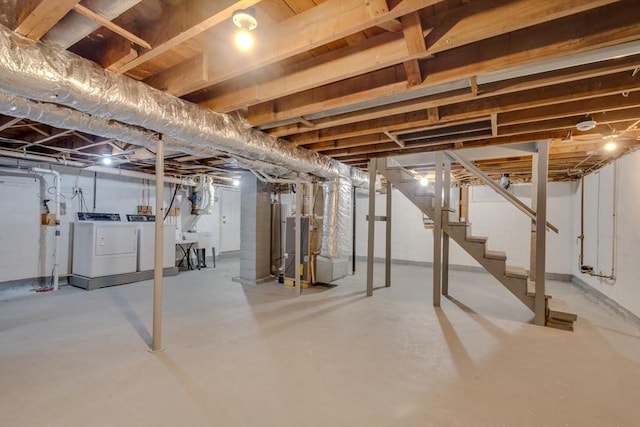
x=260 y=356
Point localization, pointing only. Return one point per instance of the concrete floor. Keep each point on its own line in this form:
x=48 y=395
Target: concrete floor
x=260 y=356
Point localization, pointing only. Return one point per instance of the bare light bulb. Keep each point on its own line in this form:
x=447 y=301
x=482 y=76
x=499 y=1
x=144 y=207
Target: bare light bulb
x=610 y=146
x=235 y=182
x=106 y=160
x=244 y=39
x=424 y=181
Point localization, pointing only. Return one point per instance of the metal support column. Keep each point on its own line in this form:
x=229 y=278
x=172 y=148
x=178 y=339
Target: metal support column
x=534 y=206
x=445 y=236
x=298 y=239
x=353 y=236
x=541 y=237
x=387 y=255
x=371 y=225
x=437 y=231
x=156 y=344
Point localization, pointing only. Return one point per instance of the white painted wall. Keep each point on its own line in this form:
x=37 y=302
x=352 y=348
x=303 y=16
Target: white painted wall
x=508 y=229
x=598 y=231
x=26 y=247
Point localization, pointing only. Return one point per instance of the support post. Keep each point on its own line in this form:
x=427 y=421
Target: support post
x=541 y=237
x=156 y=344
x=445 y=236
x=353 y=235
x=387 y=255
x=437 y=231
x=534 y=206
x=371 y=224
x=298 y=239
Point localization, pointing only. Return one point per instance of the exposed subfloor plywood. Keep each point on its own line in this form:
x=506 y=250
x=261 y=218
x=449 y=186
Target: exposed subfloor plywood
x=259 y=356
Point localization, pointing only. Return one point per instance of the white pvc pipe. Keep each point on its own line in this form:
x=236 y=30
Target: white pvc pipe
x=56 y=239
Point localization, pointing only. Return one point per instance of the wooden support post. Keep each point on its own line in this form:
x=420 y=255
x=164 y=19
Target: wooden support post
x=372 y=224
x=437 y=231
x=541 y=237
x=445 y=236
x=156 y=344
x=387 y=255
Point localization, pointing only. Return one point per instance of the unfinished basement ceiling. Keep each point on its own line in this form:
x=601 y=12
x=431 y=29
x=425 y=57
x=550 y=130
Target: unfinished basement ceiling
x=354 y=79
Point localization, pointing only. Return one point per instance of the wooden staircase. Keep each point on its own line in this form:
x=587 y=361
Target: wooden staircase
x=515 y=279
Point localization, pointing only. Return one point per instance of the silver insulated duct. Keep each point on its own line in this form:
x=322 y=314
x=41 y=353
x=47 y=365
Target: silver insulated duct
x=50 y=75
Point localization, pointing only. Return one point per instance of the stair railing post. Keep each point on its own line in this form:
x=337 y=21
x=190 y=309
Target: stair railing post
x=445 y=221
x=371 y=224
x=541 y=237
x=437 y=231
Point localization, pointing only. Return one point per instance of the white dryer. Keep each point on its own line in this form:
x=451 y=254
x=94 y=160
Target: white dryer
x=146 y=238
x=103 y=245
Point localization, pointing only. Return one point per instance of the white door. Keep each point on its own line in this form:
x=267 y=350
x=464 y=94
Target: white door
x=23 y=242
x=229 y=220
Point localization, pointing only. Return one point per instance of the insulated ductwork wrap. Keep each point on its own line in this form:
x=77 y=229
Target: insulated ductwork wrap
x=46 y=73
x=97 y=97
x=74 y=27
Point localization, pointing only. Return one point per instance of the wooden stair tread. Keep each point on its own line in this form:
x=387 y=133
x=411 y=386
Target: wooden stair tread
x=476 y=239
x=531 y=289
x=559 y=312
x=495 y=255
x=512 y=271
x=458 y=224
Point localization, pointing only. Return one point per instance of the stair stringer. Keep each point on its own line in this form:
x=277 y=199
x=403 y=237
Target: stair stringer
x=474 y=246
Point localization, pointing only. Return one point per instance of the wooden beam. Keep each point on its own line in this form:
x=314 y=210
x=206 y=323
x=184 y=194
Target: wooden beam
x=378 y=52
x=459 y=26
x=325 y=23
x=180 y=79
x=434 y=114
x=472 y=110
x=586 y=32
x=394 y=51
x=473 y=82
x=179 y=24
x=7 y=122
x=110 y=25
x=35 y=18
x=306 y=122
x=119 y=50
x=571 y=108
x=519 y=84
x=394 y=138
x=416 y=47
x=494 y=124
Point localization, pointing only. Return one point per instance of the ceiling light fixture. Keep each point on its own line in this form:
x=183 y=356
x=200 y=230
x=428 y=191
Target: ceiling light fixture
x=585 y=124
x=106 y=160
x=235 y=182
x=610 y=146
x=246 y=22
x=424 y=181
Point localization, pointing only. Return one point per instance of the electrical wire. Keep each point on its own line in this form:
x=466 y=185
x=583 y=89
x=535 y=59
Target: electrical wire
x=166 y=214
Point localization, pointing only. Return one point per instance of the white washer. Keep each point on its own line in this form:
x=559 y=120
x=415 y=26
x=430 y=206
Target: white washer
x=103 y=246
x=146 y=238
